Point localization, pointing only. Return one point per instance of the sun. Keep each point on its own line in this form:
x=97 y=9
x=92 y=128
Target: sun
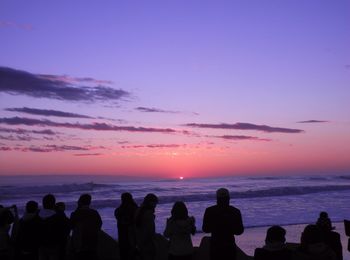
x=181 y=178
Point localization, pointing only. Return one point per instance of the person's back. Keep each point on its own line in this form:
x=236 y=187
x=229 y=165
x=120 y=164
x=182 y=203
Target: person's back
x=27 y=240
x=64 y=228
x=179 y=229
x=312 y=245
x=274 y=248
x=223 y=222
x=125 y=216
x=49 y=230
x=86 y=224
x=330 y=237
x=145 y=227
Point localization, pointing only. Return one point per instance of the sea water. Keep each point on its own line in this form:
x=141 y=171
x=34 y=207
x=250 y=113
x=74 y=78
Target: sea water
x=263 y=201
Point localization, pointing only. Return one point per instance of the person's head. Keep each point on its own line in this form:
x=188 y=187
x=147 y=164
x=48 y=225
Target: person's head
x=312 y=234
x=179 y=211
x=222 y=196
x=32 y=207
x=150 y=201
x=127 y=198
x=49 y=201
x=275 y=234
x=323 y=214
x=84 y=200
x=60 y=207
x=324 y=222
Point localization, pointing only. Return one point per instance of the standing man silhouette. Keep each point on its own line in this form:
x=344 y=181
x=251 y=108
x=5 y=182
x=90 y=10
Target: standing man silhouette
x=223 y=222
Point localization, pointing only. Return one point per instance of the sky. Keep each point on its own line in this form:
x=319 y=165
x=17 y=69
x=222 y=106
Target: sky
x=175 y=88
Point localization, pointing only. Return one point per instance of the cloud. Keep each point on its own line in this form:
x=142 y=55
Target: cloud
x=246 y=126
x=242 y=138
x=17 y=138
x=46 y=112
x=54 y=148
x=5 y=148
x=72 y=80
x=155 y=110
x=154 y=146
x=19 y=82
x=24 y=131
x=158 y=110
x=87 y=154
x=93 y=126
x=313 y=121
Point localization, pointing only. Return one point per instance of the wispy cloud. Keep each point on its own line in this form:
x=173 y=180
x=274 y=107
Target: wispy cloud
x=313 y=121
x=19 y=82
x=242 y=138
x=154 y=146
x=246 y=126
x=93 y=126
x=46 y=112
x=25 y=131
x=155 y=110
x=88 y=154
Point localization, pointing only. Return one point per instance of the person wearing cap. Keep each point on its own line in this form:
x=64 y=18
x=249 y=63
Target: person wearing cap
x=223 y=222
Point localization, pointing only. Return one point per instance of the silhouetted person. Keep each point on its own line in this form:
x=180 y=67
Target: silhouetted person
x=223 y=222
x=274 y=248
x=125 y=216
x=51 y=229
x=86 y=225
x=6 y=219
x=312 y=246
x=347 y=231
x=27 y=239
x=331 y=238
x=64 y=228
x=179 y=228
x=145 y=227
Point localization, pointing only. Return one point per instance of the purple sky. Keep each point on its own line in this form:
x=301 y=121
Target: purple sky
x=156 y=65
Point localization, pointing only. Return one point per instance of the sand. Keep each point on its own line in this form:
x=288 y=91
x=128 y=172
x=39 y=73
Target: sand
x=248 y=241
x=255 y=237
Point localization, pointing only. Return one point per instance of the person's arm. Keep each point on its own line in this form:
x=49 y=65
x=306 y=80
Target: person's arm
x=99 y=220
x=238 y=227
x=207 y=225
x=193 y=228
x=168 y=230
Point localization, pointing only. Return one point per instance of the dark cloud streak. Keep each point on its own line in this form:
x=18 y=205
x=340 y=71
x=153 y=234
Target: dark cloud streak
x=46 y=112
x=18 y=82
x=93 y=126
x=246 y=126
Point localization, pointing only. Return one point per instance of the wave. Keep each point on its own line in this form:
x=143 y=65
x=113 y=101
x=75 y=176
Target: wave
x=271 y=192
x=9 y=191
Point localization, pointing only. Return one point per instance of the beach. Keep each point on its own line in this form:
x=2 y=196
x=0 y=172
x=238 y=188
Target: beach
x=255 y=237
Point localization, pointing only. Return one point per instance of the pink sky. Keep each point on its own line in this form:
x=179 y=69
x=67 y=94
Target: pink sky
x=182 y=88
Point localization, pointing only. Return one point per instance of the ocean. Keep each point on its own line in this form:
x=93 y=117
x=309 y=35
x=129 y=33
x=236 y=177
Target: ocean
x=263 y=201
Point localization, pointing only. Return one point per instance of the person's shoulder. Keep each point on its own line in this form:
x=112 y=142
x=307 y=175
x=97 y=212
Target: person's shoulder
x=234 y=209
x=211 y=208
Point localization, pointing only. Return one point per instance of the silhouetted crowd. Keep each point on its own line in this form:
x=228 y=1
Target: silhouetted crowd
x=48 y=234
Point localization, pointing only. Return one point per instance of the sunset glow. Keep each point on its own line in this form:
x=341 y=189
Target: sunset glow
x=180 y=90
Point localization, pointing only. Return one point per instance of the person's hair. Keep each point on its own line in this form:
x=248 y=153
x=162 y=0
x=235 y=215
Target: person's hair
x=323 y=214
x=127 y=199
x=276 y=234
x=312 y=234
x=32 y=206
x=148 y=204
x=179 y=211
x=150 y=199
x=49 y=201
x=84 y=200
